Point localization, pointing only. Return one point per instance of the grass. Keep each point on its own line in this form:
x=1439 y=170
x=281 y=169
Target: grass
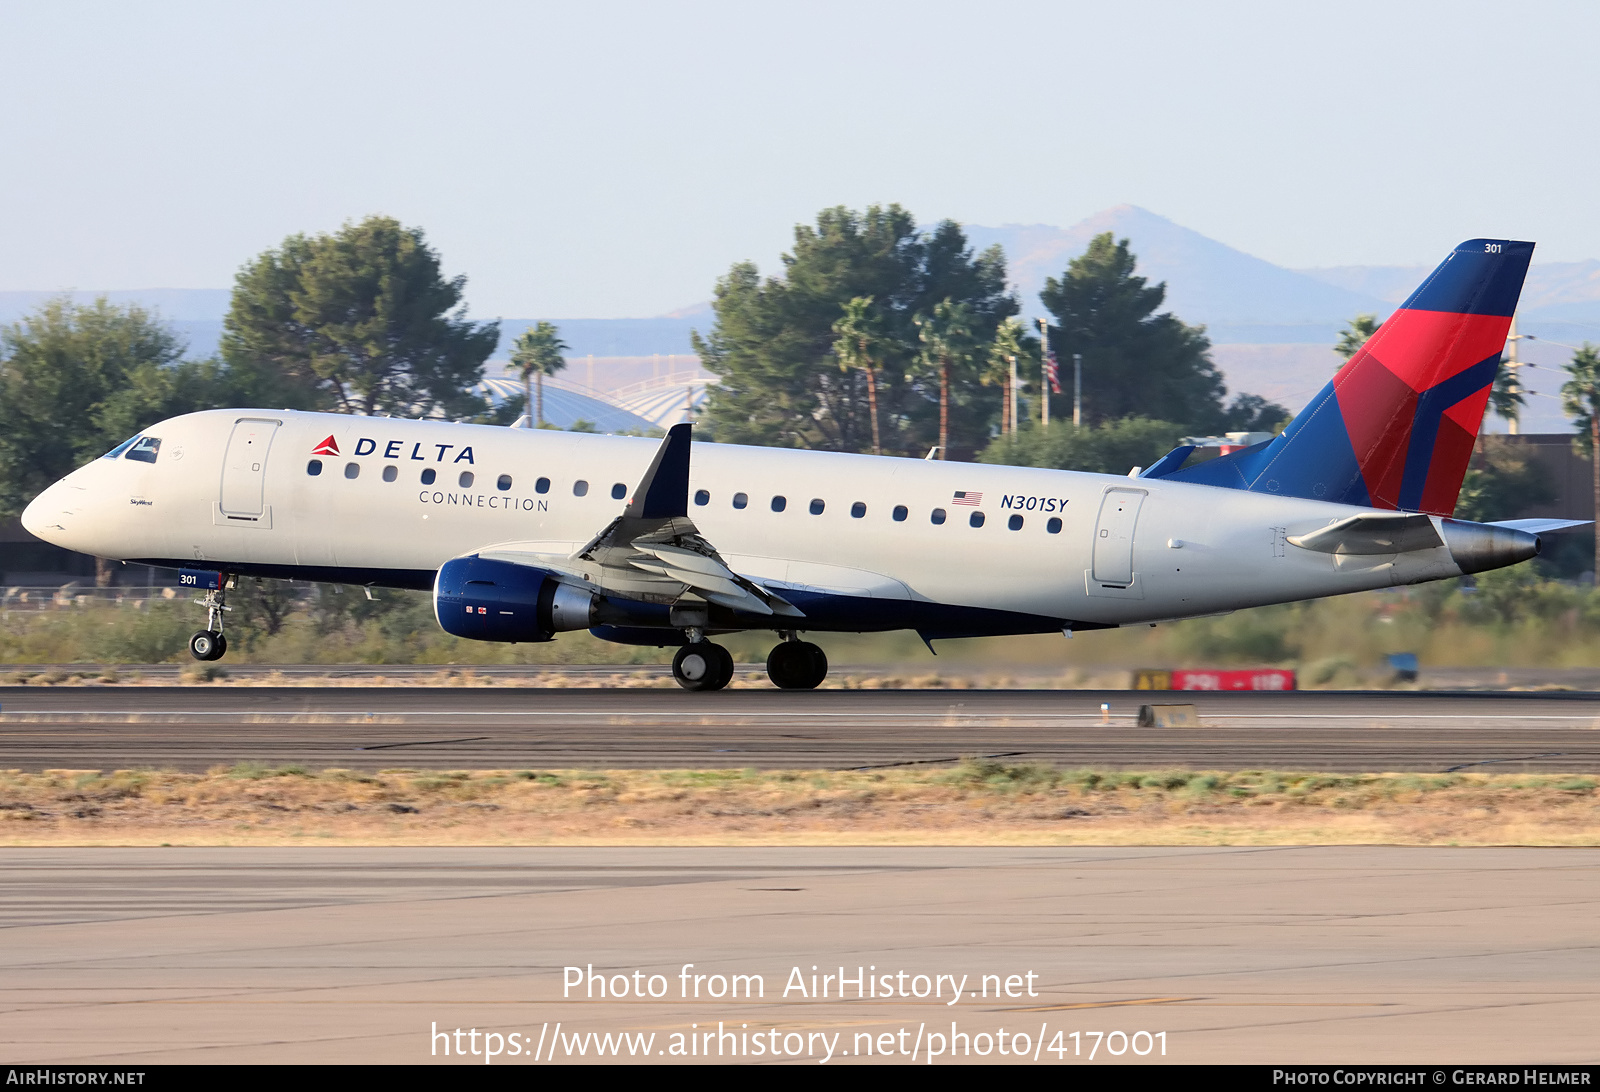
x=980 y=802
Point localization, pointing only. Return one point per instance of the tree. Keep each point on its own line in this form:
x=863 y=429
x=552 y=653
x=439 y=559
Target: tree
x=538 y=351
x=1253 y=413
x=947 y=343
x=360 y=321
x=1580 y=400
x=76 y=380
x=1114 y=447
x=1009 y=352
x=1506 y=397
x=1355 y=335
x=859 y=346
x=773 y=342
x=1501 y=483
x=1135 y=361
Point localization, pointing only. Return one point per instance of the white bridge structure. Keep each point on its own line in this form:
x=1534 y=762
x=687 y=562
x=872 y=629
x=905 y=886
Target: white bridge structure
x=669 y=397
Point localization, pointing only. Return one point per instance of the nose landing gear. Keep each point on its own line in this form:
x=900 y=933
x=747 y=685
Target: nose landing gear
x=209 y=643
x=797 y=665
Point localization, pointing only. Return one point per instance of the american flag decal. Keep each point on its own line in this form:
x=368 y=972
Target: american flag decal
x=967 y=497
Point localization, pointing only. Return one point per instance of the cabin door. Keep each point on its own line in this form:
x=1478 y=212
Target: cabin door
x=1113 y=536
x=244 y=469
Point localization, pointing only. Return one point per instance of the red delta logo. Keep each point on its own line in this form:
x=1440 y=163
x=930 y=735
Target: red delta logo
x=327 y=447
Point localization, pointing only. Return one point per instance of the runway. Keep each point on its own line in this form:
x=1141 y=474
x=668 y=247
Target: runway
x=1326 y=954
x=196 y=728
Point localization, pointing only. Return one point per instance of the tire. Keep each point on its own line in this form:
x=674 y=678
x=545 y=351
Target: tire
x=206 y=645
x=221 y=647
x=818 y=664
x=797 y=665
x=725 y=667
x=789 y=665
x=700 y=667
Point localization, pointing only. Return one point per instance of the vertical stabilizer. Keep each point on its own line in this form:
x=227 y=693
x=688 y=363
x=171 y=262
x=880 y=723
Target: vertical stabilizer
x=1396 y=426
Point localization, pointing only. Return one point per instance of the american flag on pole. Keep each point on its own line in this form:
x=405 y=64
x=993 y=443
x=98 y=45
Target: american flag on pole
x=968 y=497
x=1052 y=371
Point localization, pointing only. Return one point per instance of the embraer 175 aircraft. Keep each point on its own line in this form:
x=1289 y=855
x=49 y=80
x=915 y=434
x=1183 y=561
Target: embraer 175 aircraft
x=521 y=534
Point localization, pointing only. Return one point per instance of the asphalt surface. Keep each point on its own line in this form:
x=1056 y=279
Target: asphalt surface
x=1332 y=954
x=196 y=728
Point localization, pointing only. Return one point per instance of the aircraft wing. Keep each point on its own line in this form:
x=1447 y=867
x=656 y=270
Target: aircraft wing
x=1372 y=533
x=653 y=552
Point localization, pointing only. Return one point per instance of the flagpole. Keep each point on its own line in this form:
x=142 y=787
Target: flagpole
x=1077 y=390
x=1044 y=374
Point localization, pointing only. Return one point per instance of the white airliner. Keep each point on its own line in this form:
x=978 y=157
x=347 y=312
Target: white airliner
x=522 y=534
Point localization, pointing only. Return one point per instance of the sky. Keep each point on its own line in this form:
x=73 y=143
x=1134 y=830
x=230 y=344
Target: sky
x=611 y=160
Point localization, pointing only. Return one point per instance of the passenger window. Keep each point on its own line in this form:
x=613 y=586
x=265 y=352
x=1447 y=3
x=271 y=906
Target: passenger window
x=542 y=485
x=619 y=491
x=580 y=488
x=314 y=467
x=144 y=450
x=428 y=476
x=390 y=473
x=938 y=515
x=1015 y=523
x=817 y=505
x=503 y=482
x=857 y=510
x=352 y=470
x=702 y=497
x=466 y=479
x=740 y=500
x=900 y=513
x=120 y=448
x=779 y=503
x=976 y=519
x=1054 y=526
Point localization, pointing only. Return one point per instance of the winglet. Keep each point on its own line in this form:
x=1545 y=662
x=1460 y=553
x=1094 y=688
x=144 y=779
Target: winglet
x=664 y=491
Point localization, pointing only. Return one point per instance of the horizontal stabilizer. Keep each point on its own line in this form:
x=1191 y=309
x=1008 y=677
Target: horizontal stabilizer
x=1372 y=533
x=1541 y=526
x=1169 y=462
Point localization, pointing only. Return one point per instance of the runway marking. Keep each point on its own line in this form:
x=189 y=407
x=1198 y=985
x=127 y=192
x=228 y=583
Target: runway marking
x=1492 y=761
x=1106 y=1004
x=935 y=761
x=763 y=715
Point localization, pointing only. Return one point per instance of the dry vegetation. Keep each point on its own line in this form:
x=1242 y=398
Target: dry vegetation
x=973 y=803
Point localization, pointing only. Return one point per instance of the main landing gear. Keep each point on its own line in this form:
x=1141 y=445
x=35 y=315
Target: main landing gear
x=701 y=665
x=209 y=643
x=797 y=665
x=793 y=665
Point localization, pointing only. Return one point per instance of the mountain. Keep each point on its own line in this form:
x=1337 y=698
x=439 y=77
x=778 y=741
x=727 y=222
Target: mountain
x=1556 y=292
x=1208 y=282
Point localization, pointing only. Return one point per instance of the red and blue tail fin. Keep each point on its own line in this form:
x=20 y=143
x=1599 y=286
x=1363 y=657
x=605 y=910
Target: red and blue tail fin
x=1397 y=425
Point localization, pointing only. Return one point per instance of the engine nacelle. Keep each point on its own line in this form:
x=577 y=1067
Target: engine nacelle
x=499 y=601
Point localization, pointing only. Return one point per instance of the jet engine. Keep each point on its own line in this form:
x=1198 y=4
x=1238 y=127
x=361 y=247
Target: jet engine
x=499 y=601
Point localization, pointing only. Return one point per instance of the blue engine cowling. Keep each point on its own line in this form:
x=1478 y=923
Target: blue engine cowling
x=499 y=601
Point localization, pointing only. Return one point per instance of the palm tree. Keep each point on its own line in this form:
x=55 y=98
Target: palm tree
x=1005 y=352
x=946 y=338
x=1355 y=335
x=537 y=352
x=858 y=346
x=1580 y=400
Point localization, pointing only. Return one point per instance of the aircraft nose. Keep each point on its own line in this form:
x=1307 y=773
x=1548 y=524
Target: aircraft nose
x=47 y=516
x=33 y=516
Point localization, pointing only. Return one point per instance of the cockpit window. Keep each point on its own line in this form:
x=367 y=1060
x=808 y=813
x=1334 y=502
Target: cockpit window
x=120 y=448
x=144 y=451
